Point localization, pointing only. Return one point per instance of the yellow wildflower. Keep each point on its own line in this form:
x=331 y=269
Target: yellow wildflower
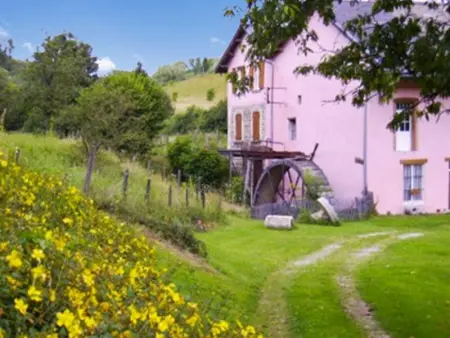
x=88 y=277
x=38 y=254
x=166 y=323
x=39 y=272
x=14 y=260
x=68 y=221
x=20 y=306
x=35 y=294
x=3 y=246
x=66 y=318
x=3 y=163
x=52 y=295
x=2 y=333
x=53 y=335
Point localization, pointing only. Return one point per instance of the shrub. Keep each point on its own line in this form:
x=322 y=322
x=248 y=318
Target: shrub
x=185 y=122
x=210 y=94
x=197 y=163
x=215 y=118
x=236 y=191
x=68 y=270
x=174 y=96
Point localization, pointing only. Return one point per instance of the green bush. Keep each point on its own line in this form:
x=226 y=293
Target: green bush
x=210 y=94
x=186 y=122
x=197 y=163
x=236 y=190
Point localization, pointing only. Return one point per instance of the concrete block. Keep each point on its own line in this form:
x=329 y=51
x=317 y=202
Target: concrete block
x=279 y=222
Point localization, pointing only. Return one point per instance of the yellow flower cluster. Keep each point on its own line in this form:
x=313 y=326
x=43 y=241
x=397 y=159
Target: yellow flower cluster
x=67 y=269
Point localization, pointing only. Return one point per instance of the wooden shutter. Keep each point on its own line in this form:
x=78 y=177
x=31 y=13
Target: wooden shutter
x=261 y=75
x=251 y=76
x=256 y=125
x=238 y=126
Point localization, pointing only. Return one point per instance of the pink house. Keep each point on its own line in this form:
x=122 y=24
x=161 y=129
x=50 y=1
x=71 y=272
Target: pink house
x=408 y=169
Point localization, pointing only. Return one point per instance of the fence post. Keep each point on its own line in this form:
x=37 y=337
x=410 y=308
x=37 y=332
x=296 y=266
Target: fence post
x=187 y=196
x=126 y=174
x=178 y=178
x=149 y=165
x=170 y=196
x=197 y=189
x=147 y=188
x=203 y=197
x=17 y=155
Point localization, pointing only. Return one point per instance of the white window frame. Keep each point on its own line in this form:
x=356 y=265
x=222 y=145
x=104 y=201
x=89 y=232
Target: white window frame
x=413 y=181
x=403 y=134
x=256 y=78
x=292 y=128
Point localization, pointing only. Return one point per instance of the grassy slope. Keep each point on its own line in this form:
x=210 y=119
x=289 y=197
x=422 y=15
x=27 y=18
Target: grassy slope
x=193 y=91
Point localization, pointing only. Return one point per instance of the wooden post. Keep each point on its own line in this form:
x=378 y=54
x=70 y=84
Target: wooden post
x=126 y=175
x=230 y=169
x=147 y=188
x=17 y=155
x=203 y=197
x=149 y=165
x=178 y=178
x=187 y=196
x=221 y=193
x=197 y=189
x=170 y=196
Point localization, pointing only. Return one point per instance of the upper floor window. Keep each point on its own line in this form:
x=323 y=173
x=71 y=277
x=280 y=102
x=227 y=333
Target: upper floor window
x=238 y=127
x=412 y=176
x=405 y=135
x=292 y=125
x=256 y=122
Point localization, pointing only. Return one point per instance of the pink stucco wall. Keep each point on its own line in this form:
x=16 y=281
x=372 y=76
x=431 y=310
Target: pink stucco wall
x=338 y=128
x=385 y=172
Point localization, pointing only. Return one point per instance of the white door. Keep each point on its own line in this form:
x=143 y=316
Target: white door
x=403 y=134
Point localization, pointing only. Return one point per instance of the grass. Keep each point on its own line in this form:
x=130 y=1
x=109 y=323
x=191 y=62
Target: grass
x=66 y=158
x=192 y=91
x=408 y=285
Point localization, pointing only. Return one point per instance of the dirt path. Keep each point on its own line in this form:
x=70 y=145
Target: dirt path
x=354 y=305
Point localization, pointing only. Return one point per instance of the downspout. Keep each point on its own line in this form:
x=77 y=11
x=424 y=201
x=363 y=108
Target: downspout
x=271 y=99
x=365 y=150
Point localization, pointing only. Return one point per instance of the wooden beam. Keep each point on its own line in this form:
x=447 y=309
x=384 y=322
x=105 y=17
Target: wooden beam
x=414 y=161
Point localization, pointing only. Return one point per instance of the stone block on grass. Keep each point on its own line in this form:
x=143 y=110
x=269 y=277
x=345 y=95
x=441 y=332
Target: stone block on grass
x=279 y=222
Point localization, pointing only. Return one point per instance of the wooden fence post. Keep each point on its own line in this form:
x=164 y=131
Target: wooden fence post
x=178 y=178
x=197 y=189
x=170 y=196
x=147 y=188
x=187 y=196
x=17 y=155
x=149 y=165
x=203 y=197
x=126 y=175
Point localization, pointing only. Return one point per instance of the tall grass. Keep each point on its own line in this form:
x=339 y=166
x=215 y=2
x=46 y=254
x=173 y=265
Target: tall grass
x=66 y=158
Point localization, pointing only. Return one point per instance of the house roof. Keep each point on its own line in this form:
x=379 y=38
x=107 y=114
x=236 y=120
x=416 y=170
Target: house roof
x=343 y=12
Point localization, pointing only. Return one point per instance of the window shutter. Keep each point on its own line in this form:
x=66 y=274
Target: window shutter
x=261 y=75
x=251 y=76
x=256 y=125
x=238 y=126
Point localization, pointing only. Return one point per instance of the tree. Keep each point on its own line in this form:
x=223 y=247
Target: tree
x=205 y=66
x=54 y=78
x=210 y=94
x=99 y=111
x=215 y=118
x=146 y=118
x=140 y=69
x=169 y=73
x=6 y=60
x=379 y=55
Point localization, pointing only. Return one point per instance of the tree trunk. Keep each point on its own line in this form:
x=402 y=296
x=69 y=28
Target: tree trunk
x=90 y=168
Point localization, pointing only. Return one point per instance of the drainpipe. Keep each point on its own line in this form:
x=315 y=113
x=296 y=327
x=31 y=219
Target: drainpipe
x=365 y=149
x=271 y=98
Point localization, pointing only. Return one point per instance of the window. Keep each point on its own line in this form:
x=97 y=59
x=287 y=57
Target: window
x=238 y=127
x=261 y=75
x=412 y=175
x=254 y=77
x=405 y=135
x=256 y=119
x=292 y=128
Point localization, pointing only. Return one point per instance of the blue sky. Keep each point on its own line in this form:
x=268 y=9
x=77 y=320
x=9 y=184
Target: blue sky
x=156 y=32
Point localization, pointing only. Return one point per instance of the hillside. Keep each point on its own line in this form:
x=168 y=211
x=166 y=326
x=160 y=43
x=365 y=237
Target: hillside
x=192 y=91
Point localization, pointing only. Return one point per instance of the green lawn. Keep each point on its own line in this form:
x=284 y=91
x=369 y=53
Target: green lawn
x=193 y=91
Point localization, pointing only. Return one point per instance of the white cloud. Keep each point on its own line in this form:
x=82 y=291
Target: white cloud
x=105 y=66
x=4 y=33
x=29 y=46
x=217 y=40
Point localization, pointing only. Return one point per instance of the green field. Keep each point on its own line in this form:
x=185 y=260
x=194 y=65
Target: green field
x=193 y=91
x=298 y=283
